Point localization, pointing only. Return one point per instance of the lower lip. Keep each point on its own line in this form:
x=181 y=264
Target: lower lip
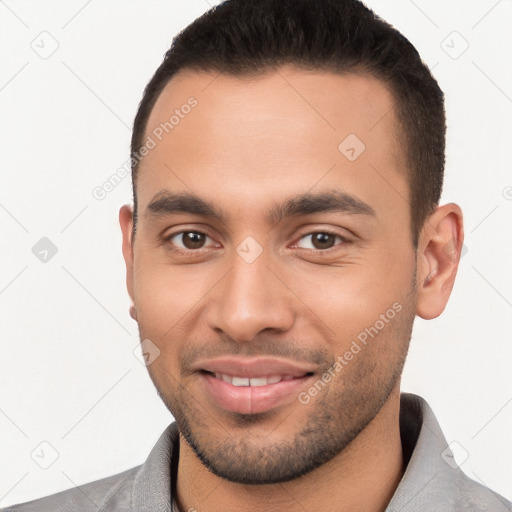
x=251 y=399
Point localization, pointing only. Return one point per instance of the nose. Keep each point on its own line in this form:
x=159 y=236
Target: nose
x=249 y=300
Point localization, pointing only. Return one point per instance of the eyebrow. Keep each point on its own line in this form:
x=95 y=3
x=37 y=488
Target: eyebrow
x=309 y=204
x=167 y=203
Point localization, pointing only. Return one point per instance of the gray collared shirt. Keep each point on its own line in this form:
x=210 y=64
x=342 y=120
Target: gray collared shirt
x=432 y=481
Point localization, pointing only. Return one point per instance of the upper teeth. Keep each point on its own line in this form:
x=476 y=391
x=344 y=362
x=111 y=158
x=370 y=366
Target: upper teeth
x=254 y=381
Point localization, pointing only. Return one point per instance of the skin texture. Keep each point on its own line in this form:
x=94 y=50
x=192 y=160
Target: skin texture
x=250 y=144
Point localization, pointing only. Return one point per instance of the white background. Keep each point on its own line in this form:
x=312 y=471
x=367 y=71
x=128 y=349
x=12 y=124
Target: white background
x=68 y=373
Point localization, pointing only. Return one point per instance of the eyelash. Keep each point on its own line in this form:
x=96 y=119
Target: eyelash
x=185 y=252
x=344 y=241
x=188 y=252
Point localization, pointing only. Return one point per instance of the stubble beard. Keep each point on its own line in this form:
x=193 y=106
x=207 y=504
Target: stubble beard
x=337 y=415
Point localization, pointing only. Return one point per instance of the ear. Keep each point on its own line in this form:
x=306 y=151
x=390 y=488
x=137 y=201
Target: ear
x=439 y=250
x=126 y=222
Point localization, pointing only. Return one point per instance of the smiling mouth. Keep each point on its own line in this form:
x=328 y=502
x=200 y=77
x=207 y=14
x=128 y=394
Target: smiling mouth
x=254 y=381
x=252 y=394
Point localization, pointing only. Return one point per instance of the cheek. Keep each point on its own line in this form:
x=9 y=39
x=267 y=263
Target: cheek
x=351 y=298
x=163 y=303
x=165 y=295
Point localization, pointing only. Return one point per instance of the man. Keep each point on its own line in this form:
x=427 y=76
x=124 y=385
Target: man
x=288 y=162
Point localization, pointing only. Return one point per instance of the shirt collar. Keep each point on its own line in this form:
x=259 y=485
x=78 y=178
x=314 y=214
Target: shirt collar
x=430 y=480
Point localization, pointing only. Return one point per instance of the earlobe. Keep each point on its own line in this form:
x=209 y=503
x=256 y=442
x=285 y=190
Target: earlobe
x=126 y=223
x=439 y=251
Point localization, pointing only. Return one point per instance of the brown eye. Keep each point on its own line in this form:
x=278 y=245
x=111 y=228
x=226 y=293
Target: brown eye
x=319 y=241
x=188 y=240
x=323 y=240
x=193 y=240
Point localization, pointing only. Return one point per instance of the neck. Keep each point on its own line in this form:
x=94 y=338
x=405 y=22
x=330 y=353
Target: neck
x=363 y=477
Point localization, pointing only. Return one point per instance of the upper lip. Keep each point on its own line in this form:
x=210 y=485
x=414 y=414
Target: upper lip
x=253 y=367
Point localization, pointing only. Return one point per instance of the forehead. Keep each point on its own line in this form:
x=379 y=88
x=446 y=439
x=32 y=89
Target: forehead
x=340 y=101
x=287 y=126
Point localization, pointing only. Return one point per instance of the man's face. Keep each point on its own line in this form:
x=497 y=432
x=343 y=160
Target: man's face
x=264 y=250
